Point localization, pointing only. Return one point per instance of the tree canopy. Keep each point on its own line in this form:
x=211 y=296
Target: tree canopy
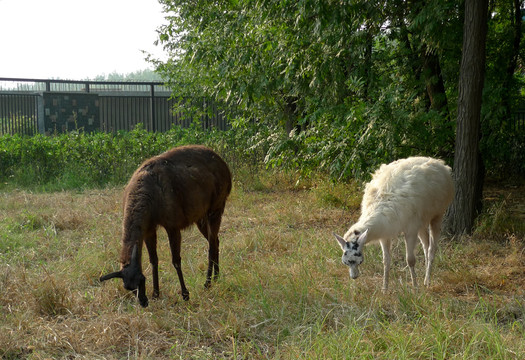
x=346 y=85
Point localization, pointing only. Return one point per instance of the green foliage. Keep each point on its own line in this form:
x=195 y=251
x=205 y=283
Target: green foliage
x=79 y=160
x=141 y=75
x=351 y=143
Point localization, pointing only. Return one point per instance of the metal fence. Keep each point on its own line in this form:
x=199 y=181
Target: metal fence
x=30 y=106
x=18 y=114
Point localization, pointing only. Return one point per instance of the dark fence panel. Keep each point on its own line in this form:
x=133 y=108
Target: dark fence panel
x=124 y=113
x=165 y=117
x=213 y=117
x=18 y=114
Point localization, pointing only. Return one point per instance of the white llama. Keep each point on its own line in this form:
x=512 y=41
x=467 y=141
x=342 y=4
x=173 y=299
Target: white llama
x=406 y=196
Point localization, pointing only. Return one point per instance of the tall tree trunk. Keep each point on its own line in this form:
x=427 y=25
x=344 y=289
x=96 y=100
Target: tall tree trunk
x=468 y=169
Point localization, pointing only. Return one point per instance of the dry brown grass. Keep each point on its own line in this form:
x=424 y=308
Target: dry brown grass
x=282 y=294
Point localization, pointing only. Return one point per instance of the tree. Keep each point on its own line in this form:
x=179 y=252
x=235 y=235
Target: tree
x=468 y=168
x=139 y=75
x=369 y=81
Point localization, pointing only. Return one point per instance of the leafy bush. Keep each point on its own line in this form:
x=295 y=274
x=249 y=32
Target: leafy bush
x=343 y=142
x=79 y=160
x=348 y=141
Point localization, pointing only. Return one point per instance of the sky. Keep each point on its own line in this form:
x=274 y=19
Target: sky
x=77 y=39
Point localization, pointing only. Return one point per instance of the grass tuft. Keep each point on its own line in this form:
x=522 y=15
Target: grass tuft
x=51 y=297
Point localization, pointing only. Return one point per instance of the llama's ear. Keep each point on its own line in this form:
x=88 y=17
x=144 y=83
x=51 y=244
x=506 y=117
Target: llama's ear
x=362 y=238
x=340 y=240
x=116 y=274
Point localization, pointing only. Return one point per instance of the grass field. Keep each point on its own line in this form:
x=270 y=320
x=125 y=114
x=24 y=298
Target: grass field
x=283 y=291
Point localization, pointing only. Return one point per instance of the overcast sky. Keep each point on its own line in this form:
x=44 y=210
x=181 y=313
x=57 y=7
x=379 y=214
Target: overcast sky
x=76 y=39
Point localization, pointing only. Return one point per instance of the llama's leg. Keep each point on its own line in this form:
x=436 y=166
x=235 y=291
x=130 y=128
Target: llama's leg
x=410 y=242
x=386 y=246
x=175 y=238
x=204 y=228
x=202 y=225
x=213 y=224
x=151 y=245
x=423 y=238
x=435 y=232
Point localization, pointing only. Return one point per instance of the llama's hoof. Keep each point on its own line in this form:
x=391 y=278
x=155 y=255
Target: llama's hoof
x=143 y=302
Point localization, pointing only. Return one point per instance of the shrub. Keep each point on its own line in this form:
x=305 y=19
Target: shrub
x=79 y=160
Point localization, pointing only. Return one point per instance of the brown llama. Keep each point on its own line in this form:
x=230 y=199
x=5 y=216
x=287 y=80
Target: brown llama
x=186 y=185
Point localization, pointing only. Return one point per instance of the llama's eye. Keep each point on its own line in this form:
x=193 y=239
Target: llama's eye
x=357 y=232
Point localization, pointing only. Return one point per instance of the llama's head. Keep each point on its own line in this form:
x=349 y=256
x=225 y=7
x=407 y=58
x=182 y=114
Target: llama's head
x=133 y=278
x=353 y=250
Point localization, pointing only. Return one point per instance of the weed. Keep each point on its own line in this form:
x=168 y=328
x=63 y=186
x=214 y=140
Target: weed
x=51 y=298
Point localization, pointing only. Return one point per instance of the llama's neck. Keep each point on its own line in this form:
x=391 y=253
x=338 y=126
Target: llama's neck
x=377 y=224
x=131 y=233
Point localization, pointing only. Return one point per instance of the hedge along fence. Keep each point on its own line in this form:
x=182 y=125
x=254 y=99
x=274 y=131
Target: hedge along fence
x=82 y=160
